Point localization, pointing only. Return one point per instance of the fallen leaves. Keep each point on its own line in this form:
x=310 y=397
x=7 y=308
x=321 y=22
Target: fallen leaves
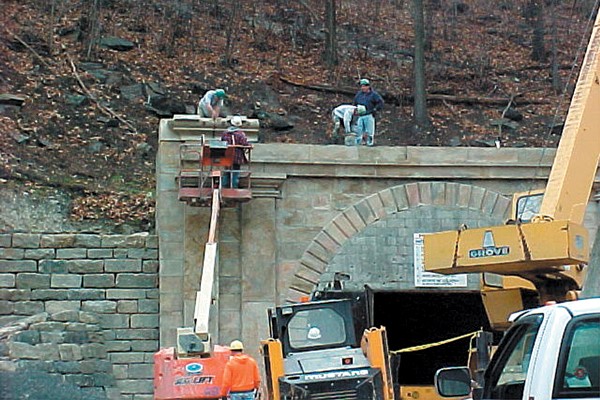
x=469 y=57
x=117 y=207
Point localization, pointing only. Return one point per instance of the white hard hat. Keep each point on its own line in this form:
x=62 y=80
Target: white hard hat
x=236 y=345
x=314 y=333
x=236 y=121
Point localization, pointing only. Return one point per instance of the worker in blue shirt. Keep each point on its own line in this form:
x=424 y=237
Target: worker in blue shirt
x=373 y=102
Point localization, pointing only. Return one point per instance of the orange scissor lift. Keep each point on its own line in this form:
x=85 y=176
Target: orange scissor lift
x=194 y=369
x=213 y=159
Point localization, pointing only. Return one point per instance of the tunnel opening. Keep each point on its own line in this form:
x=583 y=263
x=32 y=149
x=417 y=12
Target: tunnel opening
x=418 y=318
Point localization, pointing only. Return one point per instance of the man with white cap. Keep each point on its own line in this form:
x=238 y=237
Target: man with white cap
x=235 y=136
x=346 y=115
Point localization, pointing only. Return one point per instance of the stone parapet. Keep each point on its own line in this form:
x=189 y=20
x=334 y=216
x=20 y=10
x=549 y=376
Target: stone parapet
x=403 y=162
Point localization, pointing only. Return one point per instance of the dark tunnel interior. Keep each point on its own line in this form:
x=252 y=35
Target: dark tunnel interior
x=418 y=318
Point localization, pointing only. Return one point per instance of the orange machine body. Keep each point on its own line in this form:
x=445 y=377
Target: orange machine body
x=189 y=378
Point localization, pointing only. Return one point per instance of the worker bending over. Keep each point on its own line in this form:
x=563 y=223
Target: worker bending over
x=345 y=115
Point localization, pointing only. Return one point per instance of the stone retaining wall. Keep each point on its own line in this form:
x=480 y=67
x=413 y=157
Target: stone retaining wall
x=83 y=308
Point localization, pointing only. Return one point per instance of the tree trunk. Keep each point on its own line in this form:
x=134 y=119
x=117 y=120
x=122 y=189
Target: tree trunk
x=330 y=55
x=215 y=8
x=93 y=28
x=377 y=8
x=51 y=28
x=231 y=33
x=429 y=23
x=420 y=105
x=556 y=81
x=538 y=51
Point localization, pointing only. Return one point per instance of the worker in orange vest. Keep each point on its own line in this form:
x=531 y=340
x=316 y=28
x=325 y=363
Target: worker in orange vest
x=241 y=378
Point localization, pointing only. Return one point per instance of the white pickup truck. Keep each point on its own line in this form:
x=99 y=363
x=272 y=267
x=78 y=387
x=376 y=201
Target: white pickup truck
x=551 y=352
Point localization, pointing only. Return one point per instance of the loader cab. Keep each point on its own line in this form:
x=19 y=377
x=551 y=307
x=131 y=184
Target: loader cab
x=314 y=352
x=313 y=326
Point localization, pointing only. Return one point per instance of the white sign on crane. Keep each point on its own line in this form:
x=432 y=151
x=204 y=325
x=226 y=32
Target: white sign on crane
x=431 y=279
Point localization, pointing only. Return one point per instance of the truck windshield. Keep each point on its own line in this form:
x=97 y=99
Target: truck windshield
x=579 y=369
x=316 y=327
x=507 y=375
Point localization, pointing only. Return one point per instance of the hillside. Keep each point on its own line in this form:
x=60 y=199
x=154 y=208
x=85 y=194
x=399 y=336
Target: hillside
x=83 y=84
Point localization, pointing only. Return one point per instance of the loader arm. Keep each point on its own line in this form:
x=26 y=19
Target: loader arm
x=553 y=250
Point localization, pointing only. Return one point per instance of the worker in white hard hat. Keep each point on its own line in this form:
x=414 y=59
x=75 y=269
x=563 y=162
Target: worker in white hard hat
x=314 y=333
x=241 y=378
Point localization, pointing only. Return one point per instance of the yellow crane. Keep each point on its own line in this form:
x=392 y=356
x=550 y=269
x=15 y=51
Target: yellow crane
x=548 y=246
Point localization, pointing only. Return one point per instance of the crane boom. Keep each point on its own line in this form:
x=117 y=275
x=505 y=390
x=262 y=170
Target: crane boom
x=572 y=175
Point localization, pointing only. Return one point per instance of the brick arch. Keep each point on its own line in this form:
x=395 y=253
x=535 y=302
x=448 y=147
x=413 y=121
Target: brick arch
x=377 y=206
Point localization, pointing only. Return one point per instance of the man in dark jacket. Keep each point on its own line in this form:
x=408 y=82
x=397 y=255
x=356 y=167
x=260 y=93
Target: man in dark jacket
x=373 y=103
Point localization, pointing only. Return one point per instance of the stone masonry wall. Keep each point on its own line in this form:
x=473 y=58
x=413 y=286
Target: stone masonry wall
x=83 y=308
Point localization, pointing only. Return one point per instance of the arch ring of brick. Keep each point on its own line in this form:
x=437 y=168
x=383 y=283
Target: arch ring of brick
x=377 y=206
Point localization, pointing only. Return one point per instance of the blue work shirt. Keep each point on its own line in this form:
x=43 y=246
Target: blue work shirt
x=371 y=100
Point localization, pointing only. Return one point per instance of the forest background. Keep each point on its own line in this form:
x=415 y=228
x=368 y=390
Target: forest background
x=83 y=84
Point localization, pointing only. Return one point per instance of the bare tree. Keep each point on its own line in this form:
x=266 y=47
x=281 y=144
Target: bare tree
x=420 y=104
x=330 y=55
x=215 y=8
x=166 y=36
x=142 y=15
x=538 y=47
x=430 y=27
x=92 y=27
x=51 y=23
x=556 y=81
x=177 y=21
x=231 y=30
x=377 y=7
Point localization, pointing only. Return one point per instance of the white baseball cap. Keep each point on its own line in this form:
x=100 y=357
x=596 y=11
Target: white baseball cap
x=236 y=121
